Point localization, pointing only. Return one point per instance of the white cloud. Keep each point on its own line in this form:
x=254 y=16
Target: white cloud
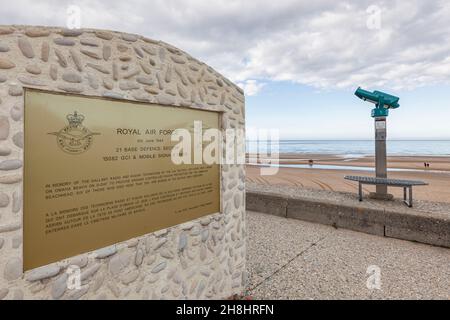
x=322 y=43
x=251 y=87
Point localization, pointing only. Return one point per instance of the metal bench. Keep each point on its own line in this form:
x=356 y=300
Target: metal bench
x=405 y=184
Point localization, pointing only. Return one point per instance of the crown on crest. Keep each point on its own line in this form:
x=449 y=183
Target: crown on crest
x=75 y=119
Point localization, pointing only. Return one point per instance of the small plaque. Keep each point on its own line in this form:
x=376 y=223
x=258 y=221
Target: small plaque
x=380 y=125
x=99 y=171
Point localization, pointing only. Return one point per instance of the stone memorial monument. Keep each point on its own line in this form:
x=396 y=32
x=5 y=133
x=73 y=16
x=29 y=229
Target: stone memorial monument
x=91 y=204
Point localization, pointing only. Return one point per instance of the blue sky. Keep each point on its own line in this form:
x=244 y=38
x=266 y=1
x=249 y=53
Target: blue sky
x=299 y=61
x=304 y=112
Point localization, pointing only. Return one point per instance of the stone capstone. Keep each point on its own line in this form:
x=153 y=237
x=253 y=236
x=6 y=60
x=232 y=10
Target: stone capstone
x=119 y=262
x=26 y=48
x=4 y=127
x=10 y=164
x=4 y=200
x=18 y=140
x=43 y=272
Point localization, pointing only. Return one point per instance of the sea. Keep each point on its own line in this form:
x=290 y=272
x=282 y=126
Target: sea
x=354 y=148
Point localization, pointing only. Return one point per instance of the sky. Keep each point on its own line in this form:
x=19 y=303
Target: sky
x=299 y=62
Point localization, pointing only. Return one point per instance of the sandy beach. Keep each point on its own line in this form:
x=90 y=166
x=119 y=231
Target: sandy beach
x=328 y=172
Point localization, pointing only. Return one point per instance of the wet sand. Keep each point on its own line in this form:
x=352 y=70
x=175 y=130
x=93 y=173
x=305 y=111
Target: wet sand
x=440 y=163
x=331 y=179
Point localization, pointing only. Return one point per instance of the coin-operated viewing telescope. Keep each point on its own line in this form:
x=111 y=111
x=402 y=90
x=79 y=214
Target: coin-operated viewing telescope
x=383 y=102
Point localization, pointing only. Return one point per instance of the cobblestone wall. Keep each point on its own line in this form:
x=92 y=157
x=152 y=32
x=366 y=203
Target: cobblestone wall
x=204 y=258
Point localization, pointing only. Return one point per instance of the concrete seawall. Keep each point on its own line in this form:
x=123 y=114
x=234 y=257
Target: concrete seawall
x=378 y=218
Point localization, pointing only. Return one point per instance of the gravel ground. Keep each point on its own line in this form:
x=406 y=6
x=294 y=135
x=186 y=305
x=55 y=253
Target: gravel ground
x=293 y=259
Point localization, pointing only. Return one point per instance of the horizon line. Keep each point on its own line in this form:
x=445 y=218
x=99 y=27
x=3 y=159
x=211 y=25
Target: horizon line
x=346 y=139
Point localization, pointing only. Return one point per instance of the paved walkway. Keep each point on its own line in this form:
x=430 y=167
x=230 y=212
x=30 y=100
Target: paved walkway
x=293 y=259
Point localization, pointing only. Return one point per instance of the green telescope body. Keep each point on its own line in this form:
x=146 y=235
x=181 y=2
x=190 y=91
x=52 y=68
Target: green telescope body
x=383 y=101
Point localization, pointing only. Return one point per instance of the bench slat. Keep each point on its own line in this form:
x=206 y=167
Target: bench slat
x=386 y=181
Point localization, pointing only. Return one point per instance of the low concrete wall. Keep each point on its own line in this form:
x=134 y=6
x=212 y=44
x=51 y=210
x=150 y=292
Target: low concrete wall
x=423 y=228
x=267 y=203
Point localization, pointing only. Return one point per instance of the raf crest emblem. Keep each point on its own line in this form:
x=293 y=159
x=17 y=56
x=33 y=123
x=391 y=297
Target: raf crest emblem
x=74 y=138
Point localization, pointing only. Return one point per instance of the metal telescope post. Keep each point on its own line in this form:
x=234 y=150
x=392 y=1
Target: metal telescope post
x=380 y=154
x=383 y=102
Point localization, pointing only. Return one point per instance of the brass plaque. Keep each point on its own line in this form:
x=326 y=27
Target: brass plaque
x=98 y=171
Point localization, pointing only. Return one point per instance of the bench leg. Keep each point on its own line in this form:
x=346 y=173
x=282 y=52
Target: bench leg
x=360 y=192
x=410 y=197
x=408 y=200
